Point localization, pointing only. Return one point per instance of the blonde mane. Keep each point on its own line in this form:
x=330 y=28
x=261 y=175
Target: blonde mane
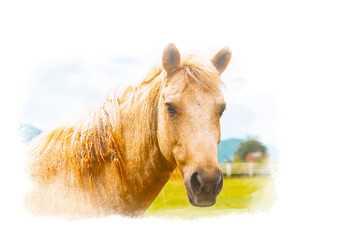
x=81 y=150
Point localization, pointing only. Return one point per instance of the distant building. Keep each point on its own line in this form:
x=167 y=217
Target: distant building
x=254 y=156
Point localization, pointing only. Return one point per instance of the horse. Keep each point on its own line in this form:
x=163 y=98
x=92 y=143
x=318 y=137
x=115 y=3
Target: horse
x=117 y=158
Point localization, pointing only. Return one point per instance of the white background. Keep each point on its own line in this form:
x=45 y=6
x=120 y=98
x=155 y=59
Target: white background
x=288 y=49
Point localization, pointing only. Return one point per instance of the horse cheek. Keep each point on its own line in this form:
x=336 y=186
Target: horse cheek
x=165 y=139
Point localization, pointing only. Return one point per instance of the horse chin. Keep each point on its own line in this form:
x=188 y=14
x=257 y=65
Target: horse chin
x=199 y=205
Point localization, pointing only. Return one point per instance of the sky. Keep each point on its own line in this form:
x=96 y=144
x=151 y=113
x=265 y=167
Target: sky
x=283 y=78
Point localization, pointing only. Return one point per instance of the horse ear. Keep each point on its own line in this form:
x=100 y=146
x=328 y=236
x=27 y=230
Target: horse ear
x=171 y=58
x=221 y=59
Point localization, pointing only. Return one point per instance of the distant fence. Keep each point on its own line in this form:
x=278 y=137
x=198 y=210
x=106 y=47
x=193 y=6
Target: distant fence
x=248 y=169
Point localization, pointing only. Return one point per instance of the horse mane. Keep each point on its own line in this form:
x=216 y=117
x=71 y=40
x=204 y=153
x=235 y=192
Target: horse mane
x=81 y=150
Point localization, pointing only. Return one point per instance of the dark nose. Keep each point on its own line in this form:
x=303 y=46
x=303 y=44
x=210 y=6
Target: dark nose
x=206 y=182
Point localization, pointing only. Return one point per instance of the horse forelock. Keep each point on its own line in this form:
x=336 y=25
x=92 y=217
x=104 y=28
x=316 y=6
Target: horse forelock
x=197 y=69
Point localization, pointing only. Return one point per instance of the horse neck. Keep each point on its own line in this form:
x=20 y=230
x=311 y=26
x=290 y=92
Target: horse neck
x=146 y=169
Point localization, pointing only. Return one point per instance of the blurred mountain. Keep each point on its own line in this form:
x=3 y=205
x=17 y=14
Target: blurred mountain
x=28 y=132
x=226 y=149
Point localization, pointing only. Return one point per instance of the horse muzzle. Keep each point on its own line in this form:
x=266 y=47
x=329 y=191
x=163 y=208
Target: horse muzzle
x=203 y=187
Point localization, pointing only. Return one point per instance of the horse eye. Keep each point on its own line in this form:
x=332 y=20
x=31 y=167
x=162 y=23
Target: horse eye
x=170 y=109
x=221 y=110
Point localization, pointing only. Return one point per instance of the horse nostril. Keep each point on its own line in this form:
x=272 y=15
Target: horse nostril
x=196 y=183
x=220 y=184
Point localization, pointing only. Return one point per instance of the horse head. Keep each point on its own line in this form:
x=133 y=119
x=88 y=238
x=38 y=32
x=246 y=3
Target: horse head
x=189 y=110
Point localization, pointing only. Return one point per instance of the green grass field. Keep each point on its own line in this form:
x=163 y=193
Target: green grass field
x=239 y=195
